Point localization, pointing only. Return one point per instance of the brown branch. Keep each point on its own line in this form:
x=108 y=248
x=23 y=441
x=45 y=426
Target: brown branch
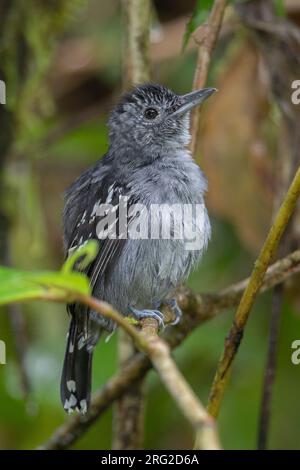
x=128 y=420
x=136 y=41
x=206 y=437
x=159 y=353
x=129 y=416
x=206 y=37
x=197 y=309
x=129 y=413
x=265 y=412
x=235 y=335
x=203 y=424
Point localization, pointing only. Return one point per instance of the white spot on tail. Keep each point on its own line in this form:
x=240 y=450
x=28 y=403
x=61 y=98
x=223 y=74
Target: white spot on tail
x=70 y=404
x=83 y=406
x=71 y=385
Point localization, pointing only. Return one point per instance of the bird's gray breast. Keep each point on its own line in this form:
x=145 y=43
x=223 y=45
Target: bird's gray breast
x=171 y=193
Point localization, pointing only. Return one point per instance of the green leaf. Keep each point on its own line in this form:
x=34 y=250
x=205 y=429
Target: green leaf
x=69 y=282
x=88 y=251
x=17 y=289
x=19 y=286
x=199 y=16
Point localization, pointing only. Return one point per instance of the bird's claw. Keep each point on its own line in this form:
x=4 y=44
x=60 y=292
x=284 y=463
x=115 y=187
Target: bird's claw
x=156 y=314
x=172 y=303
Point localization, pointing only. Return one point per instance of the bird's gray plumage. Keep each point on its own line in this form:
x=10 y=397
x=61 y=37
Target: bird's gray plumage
x=148 y=162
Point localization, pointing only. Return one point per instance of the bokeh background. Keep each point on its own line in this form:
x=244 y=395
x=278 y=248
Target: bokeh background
x=68 y=77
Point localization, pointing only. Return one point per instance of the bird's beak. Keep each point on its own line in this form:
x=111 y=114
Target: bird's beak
x=190 y=100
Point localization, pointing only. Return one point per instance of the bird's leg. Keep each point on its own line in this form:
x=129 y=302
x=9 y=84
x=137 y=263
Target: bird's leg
x=172 y=304
x=140 y=314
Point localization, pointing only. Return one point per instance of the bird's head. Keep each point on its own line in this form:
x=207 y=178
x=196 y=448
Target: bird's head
x=151 y=115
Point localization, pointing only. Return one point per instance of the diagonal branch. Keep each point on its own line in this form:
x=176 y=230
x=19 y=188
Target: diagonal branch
x=197 y=309
x=159 y=353
x=266 y=255
x=206 y=437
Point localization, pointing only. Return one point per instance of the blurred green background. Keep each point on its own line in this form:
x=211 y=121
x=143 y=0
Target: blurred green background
x=60 y=131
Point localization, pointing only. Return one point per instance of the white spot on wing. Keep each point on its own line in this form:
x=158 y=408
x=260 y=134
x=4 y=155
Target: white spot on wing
x=94 y=211
x=82 y=220
x=110 y=193
x=72 y=249
x=81 y=343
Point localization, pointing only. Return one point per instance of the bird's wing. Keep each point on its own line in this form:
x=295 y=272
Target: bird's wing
x=81 y=218
x=87 y=197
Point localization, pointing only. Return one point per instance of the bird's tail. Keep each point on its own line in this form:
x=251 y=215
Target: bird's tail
x=75 y=387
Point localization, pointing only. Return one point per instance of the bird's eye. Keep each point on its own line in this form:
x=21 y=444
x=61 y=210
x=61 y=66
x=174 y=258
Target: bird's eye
x=150 y=113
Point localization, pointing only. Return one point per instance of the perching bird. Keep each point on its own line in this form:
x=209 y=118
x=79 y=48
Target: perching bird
x=148 y=164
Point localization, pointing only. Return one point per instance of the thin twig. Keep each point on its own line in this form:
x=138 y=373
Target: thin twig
x=109 y=312
x=159 y=353
x=266 y=255
x=136 y=41
x=206 y=436
x=269 y=378
x=128 y=419
x=196 y=309
x=128 y=423
x=206 y=37
x=203 y=424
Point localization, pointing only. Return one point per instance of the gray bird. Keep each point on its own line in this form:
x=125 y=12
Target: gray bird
x=148 y=166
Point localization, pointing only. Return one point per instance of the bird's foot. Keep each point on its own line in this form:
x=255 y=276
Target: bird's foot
x=172 y=304
x=140 y=314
